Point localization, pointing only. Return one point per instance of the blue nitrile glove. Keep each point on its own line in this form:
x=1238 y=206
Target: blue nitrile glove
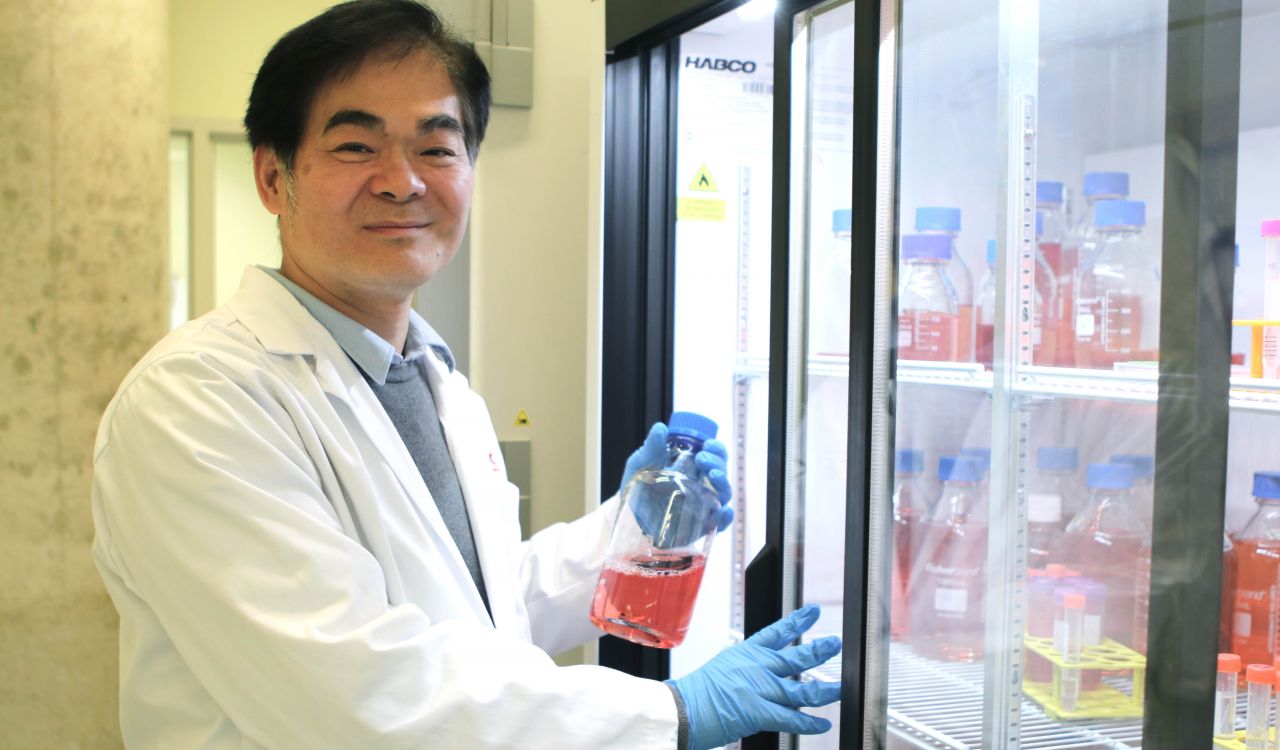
x=712 y=466
x=744 y=689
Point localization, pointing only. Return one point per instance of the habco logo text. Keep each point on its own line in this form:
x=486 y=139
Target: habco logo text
x=720 y=63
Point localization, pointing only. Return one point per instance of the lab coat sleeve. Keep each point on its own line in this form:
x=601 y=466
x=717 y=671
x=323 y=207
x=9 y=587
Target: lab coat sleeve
x=559 y=569
x=209 y=509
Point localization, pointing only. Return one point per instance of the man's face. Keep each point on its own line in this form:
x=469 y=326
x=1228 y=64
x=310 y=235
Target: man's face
x=381 y=185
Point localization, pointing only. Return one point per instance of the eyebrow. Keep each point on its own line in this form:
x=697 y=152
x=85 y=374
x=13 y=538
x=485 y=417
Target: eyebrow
x=362 y=119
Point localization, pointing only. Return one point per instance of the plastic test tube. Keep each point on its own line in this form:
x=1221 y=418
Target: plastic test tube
x=1073 y=637
x=1224 y=714
x=1259 y=678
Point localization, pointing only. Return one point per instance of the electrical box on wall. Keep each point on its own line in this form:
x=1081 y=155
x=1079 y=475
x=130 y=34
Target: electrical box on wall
x=504 y=39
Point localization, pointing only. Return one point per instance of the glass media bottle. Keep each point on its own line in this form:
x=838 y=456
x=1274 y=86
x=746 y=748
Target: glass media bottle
x=949 y=578
x=658 y=551
x=1118 y=299
x=1256 y=625
x=928 y=318
x=1109 y=543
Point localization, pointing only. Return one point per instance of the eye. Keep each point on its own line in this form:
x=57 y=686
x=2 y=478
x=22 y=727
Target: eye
x=355 y=148
x=439 y=153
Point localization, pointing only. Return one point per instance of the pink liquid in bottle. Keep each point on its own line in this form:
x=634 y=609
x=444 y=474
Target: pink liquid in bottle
x=1109 y=544
x=648 y=599
x=909 y=510
x=948 y=582
x=1256 y=621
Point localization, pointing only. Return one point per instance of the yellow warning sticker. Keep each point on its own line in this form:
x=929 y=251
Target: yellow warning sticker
x=522 y=419
x=703 y=182
x=700 y=209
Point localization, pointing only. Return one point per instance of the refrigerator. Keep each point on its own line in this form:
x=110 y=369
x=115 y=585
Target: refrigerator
x=958 y=283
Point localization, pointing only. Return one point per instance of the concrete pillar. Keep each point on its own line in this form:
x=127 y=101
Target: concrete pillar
x=83 y=259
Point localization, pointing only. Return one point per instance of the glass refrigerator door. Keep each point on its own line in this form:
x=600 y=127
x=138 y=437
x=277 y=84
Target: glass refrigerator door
x=1031 y=402
x=821 y=159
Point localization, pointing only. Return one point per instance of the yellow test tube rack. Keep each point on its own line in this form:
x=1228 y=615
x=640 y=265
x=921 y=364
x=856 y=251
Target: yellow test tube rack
x=1256 y=328
x=1104 y=702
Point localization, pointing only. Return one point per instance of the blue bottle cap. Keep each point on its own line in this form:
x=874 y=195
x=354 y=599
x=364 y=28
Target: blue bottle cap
x=983 y=455
x=991 y=252
x=1143 y=467
x=944 y=467
x=1106 y=183
x=1120 y=214
x=842 y=221
x=691 y=425
x=1039 y=223
x=1266 y=484
x=1110 y=477
x=907 y=461
x=937 y=219
x=1057 y=458
x=962 y=469
x=1048 y=192
x=918 y=246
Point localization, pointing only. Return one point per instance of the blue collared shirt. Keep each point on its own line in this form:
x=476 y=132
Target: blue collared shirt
x=368 y=350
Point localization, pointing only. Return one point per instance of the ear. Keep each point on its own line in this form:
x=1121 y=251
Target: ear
x=268 y=174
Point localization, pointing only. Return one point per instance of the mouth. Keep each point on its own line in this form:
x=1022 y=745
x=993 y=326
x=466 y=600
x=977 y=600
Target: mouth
x=397 y=228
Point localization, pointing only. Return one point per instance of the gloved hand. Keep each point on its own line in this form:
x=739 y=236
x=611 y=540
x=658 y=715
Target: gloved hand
x=744 y=689
x=712 y=466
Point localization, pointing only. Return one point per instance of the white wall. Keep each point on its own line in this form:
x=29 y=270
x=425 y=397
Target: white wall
x=535 y=258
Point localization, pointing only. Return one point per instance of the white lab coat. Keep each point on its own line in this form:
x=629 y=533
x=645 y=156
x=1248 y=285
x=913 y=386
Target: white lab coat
x=285 y=581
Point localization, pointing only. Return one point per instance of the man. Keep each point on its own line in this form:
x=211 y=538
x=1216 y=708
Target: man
x=302 y=514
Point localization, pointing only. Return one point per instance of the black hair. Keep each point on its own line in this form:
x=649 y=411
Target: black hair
x=334 y=44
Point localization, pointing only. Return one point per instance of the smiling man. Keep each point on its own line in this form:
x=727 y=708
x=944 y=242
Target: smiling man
x=301 y=510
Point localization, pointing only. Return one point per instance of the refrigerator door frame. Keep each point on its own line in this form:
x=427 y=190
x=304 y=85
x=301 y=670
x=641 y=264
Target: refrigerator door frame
x=1192 y=410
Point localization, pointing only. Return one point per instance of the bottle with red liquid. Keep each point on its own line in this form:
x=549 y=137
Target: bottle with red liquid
x=1044 y=329
x=940 y=221
x=1055 y=491
x=1118 y=297
x=1255 y=625
x=1060 y=259
x=1098 y=187
x=1144 y=481
x=910 y=508
x=658 y=551
x=1048 y=495
x=1109 y=543
x=928 y=311
x=948 y=582
x=985 y=312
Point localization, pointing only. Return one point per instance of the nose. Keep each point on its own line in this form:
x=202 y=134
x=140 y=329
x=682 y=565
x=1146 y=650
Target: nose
x=396 y=178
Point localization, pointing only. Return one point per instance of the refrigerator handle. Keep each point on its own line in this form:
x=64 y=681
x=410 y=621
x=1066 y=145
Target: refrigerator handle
x=763 y=606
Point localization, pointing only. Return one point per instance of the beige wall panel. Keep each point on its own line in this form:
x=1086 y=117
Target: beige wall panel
x=532 y=255
x=83 y=175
